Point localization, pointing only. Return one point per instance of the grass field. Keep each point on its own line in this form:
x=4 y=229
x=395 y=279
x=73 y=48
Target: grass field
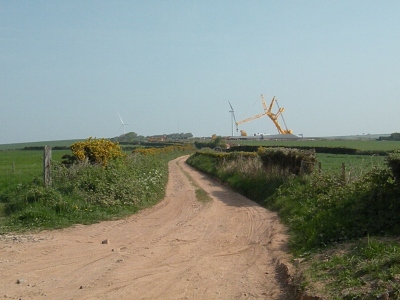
x=20 y=166
x=60 y=143
x=364 y=145
x=355 y=165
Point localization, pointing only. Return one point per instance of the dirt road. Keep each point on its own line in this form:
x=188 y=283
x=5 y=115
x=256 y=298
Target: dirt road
x=179 y=249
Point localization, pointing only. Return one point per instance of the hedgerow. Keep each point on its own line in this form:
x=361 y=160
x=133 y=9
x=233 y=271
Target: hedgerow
x=393 y=161
x=164 y=150
x=84 y=192
x=320 y=209
x=287 y=160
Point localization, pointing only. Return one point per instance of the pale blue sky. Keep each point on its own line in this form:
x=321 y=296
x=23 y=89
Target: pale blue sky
x=68 y=67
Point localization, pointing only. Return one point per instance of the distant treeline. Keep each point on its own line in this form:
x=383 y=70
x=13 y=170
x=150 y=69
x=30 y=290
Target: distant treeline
x=125 y=145
x=393 y=137
x=42 y=147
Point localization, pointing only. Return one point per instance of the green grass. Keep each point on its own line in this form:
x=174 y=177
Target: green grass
x=355 y=165
x=201 y=195
x=81 y=194
x=321 y=211
x=17 y=146
x=364 y=145
x=22 y=166
x=365 y=269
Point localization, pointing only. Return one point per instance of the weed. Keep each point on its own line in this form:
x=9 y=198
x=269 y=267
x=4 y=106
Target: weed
x=86 y=193
x=364 y=269
x=201 y=195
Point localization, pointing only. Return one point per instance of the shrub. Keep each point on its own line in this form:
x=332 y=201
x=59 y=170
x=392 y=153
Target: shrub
x=164 y=150
x=393 y=161
x=289 y=161
x=319 y=209
x=96 y=151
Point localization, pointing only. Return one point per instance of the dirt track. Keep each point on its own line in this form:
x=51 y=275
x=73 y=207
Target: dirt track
x=179 y=249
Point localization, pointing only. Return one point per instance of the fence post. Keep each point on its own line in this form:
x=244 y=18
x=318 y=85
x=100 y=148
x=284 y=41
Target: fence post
x=13 y=167
x=343 y=172
x=319 y=167
x=47 y=166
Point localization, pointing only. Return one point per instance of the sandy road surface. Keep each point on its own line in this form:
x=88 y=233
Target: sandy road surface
x=179 y=249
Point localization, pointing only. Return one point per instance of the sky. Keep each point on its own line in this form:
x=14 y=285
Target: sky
x=69 y=69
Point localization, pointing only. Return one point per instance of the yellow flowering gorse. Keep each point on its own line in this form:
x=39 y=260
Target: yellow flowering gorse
x=96 y=151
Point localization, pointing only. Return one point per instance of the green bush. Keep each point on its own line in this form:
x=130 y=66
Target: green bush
x=319 y=209
x=393 y=161
x=243 y=171
x=287 y=161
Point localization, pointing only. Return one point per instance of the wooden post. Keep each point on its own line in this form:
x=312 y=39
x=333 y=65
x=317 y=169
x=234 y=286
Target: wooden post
x=343 y=172
x=302 y=167
x=47 y=166
x=319 y=167
x=13 y=167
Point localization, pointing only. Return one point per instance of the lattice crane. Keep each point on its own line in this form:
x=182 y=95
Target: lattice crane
x=268 y=112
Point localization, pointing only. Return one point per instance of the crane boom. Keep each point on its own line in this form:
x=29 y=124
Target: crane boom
x=251 y=118
x=268 y=112
x=274 y=117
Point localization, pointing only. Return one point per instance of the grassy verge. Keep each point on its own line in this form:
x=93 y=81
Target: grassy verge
x=366 y=269
x=324 y=213
x=85 y=194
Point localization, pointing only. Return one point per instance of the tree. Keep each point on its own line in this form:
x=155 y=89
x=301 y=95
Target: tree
x=393 y=137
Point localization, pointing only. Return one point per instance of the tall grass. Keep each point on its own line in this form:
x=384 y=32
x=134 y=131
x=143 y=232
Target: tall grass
x=245 y=174
x=323 y=211
x=321 y=208
x=355 y=165
x=19 y=166
x=86 y=193
x=368 y=269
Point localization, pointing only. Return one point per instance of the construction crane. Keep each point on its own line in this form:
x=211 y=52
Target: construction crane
x=268 y=112
x=243 y=133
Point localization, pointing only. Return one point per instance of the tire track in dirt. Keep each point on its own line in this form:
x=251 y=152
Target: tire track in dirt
x=179 y=249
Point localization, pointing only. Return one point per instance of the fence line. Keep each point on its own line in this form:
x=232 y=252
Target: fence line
x=47 y=166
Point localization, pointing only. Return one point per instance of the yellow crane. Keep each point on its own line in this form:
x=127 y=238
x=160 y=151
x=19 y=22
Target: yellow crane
x=268 y=112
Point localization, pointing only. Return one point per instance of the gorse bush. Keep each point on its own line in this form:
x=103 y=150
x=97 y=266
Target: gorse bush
x=96 y=151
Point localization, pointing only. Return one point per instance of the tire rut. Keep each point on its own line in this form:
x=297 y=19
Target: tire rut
x=227 y=248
